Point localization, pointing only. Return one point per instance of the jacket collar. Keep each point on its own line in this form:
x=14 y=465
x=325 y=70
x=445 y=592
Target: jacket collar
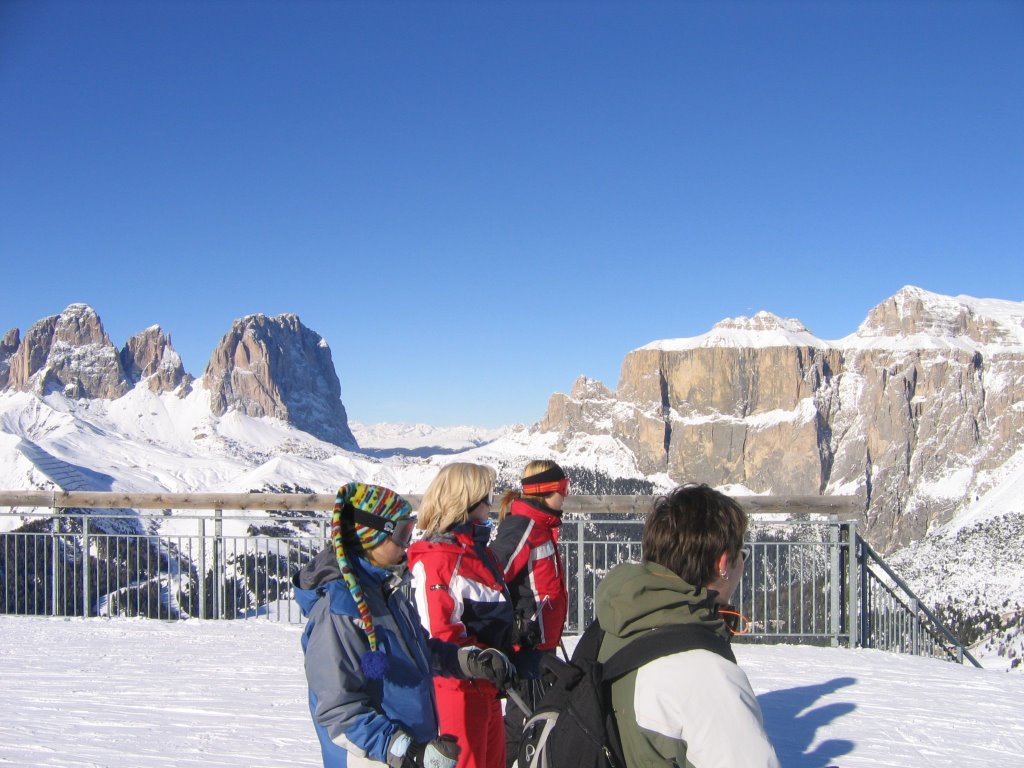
x=538 y=512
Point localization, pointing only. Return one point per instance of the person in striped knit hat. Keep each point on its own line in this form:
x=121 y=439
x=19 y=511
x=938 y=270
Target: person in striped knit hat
x=368 y=662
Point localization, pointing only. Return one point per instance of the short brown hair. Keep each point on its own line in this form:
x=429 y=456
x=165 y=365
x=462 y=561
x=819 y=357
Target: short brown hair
x=690 y=528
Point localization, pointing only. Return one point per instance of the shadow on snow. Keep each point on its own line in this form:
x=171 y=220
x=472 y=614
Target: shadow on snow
x=792 y=721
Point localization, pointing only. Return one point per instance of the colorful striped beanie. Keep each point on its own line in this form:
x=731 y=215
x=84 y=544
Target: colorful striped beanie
x=375 y=500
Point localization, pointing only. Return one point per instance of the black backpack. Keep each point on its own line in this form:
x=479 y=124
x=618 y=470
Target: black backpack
x=574 y=724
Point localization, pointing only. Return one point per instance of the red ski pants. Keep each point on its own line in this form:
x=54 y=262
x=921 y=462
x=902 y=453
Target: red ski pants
x=470 y=711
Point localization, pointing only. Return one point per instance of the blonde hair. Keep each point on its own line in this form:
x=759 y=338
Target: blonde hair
x=535 y=467
x=446 y=501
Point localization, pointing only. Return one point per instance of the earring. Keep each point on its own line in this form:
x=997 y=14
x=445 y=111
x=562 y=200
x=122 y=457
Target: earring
x=724 y=575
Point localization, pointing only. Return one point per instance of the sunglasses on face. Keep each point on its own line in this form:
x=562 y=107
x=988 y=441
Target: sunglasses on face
x=746 y=551
x=488 y=500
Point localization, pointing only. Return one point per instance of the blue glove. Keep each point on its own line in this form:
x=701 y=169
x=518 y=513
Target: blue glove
x=442 y=752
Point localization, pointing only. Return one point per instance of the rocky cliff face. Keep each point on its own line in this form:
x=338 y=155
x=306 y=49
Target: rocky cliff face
x=275 y=366
x=149 y=356
x=910 y=412
x=72 y=354
x=8 y=346
x=262 y=367
x=68 y=353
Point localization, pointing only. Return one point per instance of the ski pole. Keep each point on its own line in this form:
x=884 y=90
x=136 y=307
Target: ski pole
x=519 y=702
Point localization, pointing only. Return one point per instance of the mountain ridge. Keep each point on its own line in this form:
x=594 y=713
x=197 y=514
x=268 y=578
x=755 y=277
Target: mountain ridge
x=928 y=387
x=921 y=415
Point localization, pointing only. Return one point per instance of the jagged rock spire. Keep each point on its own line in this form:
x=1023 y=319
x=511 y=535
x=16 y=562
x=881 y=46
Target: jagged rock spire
x=276 y=366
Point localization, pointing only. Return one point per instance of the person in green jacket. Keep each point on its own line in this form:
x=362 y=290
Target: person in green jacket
x=692 y=709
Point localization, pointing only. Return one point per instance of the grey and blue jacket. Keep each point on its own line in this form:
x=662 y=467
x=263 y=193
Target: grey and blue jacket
x=351 y=712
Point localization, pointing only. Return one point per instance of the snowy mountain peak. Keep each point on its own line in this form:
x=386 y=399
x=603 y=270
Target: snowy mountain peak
x=585 y=388
x=763 y=330
x=149 y=356
x=69 y=353
x=914 y=314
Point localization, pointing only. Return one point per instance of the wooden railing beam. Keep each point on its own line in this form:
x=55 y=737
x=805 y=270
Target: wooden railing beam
x=847 y=507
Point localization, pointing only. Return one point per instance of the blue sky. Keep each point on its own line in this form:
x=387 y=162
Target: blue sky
x=474 y=203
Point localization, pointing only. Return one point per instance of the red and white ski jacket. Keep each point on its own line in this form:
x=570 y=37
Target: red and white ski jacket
x=459 y=590
x=527 y=547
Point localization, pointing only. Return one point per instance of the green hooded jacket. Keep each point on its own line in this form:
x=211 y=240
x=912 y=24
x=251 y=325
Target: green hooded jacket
x=692 y=694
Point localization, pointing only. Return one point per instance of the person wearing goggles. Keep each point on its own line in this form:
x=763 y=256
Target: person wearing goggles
x=368 y=663
x=460 y=592
x=527 y=548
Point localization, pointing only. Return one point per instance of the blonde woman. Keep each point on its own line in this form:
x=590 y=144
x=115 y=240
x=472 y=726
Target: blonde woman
x=368 y=664
x=461 y=597
x=527 y=548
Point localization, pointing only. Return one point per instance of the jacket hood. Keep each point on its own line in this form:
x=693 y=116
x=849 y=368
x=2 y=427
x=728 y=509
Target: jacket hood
x=636 y=597
x=323 y=569
x=318 y=571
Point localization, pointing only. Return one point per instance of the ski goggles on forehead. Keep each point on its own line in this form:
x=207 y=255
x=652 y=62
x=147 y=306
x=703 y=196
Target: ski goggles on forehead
x=400 y=531
x=554 y=486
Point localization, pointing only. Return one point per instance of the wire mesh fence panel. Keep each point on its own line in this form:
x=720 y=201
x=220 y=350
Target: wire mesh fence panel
x=88 y=570
x=808 y=578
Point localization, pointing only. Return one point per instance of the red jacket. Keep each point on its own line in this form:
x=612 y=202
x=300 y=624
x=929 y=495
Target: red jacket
x=459 y=590
x=527 y=546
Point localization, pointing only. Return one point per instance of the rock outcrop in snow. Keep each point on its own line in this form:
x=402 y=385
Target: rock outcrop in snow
x=276 y=366
x=262 y=367
x=68 y=353
x=8 y=346
x=149 y=356
x=910 y=412
x=71 y=353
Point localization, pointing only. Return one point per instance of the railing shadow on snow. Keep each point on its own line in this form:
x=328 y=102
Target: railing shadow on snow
x=792 y=720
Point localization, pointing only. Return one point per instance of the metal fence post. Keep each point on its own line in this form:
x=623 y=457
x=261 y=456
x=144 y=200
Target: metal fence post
x=865 y=596
x=54 y=552
x=202 y=568
x=835 y=577
x=85 y=566
x=852 y=581
x=915 y=625
x=218 y=530
x=581 y=581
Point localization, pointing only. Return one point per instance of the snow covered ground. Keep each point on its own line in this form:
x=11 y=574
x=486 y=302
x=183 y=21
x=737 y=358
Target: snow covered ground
x=128 y=693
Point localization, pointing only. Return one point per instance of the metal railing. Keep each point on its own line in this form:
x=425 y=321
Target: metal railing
x=110 y=564
x=793 y=588
x=810 y=578
x=894 y=619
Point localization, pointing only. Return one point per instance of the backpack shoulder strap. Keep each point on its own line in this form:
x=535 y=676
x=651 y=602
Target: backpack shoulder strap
x=663 y=641
x=589 y=643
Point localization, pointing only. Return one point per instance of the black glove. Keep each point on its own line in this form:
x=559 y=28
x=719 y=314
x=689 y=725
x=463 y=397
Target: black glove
x=489 y=664
x=442 y=752
x=525 y=633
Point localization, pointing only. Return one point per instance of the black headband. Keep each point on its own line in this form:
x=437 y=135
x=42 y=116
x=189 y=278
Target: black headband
x=368 y=520
x=551 y=475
